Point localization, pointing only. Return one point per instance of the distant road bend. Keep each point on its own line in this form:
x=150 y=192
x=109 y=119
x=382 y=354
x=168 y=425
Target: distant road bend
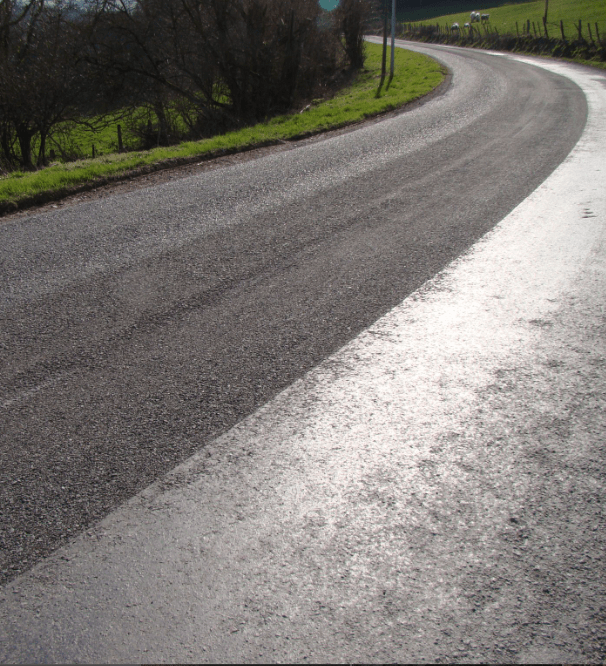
x=136 y=328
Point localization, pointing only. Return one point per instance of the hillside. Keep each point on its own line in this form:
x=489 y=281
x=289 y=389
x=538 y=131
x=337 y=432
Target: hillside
x=504 y=16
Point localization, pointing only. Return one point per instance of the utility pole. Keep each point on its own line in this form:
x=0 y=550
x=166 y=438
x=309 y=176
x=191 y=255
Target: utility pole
x=393 y=37
x=384 y=55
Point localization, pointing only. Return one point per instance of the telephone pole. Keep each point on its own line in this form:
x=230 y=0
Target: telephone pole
x=393 y=37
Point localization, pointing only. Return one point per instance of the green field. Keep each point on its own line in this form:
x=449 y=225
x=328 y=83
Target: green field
x=77 y=140
x=504 y=16
x=416 y=75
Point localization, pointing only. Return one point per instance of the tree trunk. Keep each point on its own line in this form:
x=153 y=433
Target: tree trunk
x=5 y=146
x=24 y=136
x=163 y=125
x=42 y=152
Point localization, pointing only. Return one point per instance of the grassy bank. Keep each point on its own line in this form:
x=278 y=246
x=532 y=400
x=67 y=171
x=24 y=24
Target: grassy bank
x=575 y=30
x=505 y=16
x=416 y=75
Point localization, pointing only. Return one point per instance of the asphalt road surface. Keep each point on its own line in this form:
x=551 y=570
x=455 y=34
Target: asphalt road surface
x=416 y=509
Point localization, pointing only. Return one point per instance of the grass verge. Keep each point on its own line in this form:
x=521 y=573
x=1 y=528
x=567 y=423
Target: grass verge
x=415 y=76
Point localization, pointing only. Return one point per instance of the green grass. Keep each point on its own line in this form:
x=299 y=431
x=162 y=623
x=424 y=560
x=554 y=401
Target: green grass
x=415 y=76
x=78 y=139
x=503 y=17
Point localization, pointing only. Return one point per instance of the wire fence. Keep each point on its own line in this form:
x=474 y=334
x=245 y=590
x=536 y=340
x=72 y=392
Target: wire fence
x=583 y=40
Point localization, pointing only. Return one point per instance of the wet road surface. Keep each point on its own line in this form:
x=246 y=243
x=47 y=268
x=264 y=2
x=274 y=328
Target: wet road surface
x=382 y=507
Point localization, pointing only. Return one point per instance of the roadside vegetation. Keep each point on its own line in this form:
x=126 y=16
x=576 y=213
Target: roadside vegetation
x=572 y=30
x=415 y=76
x=174 y=70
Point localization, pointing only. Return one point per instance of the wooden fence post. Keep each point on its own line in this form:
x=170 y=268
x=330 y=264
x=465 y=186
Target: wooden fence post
x=120 y=146
x=528 y=27
x=545 y=27
x=562 y=30
x=534 y=29
x=589 y=29
x=580 y=30
x=597 y=31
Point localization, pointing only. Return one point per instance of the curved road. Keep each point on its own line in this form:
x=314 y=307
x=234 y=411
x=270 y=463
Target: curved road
x=390 y=505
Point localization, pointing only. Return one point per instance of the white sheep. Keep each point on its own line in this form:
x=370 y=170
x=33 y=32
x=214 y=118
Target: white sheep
x=455 y=26
x=467 y=25
x=475 y=17
x=485 y=18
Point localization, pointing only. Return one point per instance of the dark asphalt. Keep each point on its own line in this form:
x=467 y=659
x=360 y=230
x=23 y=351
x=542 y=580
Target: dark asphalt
x=135 y=329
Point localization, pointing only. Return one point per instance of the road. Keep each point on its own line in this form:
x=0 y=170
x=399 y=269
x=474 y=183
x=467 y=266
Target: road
x=428 y=487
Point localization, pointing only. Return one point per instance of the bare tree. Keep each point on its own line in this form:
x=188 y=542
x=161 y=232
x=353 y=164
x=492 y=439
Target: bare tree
x=221 y=63
x=41 y=78
x=235 y=61
x=353 y=17
x=17 y=29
